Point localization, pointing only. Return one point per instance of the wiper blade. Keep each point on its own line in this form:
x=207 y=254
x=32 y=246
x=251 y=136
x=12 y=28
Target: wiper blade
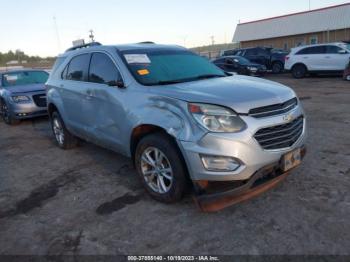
x=168 y=82
x=209 y=76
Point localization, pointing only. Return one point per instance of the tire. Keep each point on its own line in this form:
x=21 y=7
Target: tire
x=6 y=114
x=299 y=71
x=63 y=137
x=277 y=68
x=166 y=186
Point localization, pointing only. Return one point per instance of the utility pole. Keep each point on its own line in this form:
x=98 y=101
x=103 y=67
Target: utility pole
x=212 y=40
x=57 y=34
x=91 y=36
x=309 y=5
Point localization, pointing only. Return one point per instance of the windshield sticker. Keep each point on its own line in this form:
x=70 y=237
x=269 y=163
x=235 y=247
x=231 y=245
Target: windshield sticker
x=143 y=72
x=10 y=78
x=137 y=59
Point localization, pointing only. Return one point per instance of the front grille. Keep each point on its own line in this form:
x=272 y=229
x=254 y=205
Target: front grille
x=273 y=110
x=281 y=136
x=40 y=100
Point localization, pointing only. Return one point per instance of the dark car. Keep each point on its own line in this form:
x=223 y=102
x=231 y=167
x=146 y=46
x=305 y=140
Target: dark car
x=273 y=59
x=240 y=65
x=22 y=94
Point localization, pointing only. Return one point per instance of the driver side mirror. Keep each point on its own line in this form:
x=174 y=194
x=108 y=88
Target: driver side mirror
x=342 y=51
x=117 y=83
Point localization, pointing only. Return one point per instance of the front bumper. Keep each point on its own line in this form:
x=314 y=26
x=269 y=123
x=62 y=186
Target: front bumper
x=241 y=146
x=27 y=110
x=263 y=180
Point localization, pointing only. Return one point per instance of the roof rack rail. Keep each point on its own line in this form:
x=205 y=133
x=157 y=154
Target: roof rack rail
x=147 y=42
x=83 y=46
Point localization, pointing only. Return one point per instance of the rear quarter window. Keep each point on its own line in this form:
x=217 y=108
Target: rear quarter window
x=78 y=68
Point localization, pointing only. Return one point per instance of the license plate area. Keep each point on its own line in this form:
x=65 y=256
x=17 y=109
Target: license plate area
x=291 y=160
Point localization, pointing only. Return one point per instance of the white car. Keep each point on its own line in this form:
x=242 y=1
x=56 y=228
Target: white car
x=321 y=58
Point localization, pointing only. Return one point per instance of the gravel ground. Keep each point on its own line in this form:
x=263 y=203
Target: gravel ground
x=89 y=200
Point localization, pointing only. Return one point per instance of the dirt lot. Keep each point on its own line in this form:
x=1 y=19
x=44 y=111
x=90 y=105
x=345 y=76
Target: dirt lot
x=90 y=201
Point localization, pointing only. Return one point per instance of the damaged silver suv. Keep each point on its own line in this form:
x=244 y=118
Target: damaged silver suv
x=183 y=121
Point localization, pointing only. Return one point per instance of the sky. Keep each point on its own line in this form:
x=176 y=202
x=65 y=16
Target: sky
x=48 y=27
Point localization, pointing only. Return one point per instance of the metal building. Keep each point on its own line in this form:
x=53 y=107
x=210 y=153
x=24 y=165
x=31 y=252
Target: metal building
x=330 y=24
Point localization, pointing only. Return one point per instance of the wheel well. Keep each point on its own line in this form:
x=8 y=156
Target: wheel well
x=299 y=64
x=277 y=62
x=140 y=132
x=51 y=108
x=144 y=130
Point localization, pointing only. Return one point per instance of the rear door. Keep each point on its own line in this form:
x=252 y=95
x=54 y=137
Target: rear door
x=75 y=93
x=104 y=110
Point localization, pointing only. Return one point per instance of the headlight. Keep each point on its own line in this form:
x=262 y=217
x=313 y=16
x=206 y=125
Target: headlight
x=216 y=118
x=20 y=99
x=251 y=68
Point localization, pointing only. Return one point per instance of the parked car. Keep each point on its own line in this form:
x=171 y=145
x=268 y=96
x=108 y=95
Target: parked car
x=22 y=94
x=273 y=59
x=346 y=74
x=240 y=65
x=180 y=118
x=320 y=58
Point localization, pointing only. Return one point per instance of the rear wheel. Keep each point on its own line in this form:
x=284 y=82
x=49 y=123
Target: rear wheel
x=299 y=71
x=277 y=68
x=6 y=114
x=64 y=138
x=161 y=168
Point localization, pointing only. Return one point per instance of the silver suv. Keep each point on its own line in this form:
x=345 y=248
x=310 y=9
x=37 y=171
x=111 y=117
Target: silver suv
x=183 y=121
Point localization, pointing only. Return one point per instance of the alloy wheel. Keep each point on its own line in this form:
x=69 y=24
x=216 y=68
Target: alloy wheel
x=156 y=170
x=58 y=131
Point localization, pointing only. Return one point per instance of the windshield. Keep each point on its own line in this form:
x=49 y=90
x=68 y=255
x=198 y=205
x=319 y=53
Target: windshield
x=161 y=67
x=24 y=78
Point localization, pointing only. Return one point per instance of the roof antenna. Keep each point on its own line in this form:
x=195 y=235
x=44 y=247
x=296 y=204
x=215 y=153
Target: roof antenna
x=91 y=36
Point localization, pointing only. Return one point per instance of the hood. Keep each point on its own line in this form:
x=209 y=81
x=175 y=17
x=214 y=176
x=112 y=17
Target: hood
x=240 y=93
x=26 y=88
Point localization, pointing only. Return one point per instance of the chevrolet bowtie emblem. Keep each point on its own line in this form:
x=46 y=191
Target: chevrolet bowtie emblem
x=288 y=118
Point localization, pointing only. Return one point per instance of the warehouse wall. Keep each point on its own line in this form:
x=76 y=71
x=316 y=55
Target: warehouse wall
x=289 y=42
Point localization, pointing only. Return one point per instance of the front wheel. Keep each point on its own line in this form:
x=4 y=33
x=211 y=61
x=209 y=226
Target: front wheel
x=161 y=168
x=6 y=114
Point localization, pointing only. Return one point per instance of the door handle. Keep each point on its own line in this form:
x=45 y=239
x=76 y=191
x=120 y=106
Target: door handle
x=327 y=57
x=89 y=94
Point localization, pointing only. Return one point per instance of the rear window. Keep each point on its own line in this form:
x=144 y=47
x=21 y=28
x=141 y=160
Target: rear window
x=24 y=78
x=57 y=63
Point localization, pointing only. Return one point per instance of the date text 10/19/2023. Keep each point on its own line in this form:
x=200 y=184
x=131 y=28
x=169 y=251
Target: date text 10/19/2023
x=173 y=258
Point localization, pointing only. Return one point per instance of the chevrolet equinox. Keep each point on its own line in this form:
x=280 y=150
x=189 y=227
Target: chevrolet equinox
x=185 y=123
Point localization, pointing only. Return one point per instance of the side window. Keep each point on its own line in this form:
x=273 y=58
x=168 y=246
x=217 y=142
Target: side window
x=262 y=52
x=332 y=49
x=251 y=52
x=78 y=68
x=102 y=69
x=316 y=50
x=64 y=72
